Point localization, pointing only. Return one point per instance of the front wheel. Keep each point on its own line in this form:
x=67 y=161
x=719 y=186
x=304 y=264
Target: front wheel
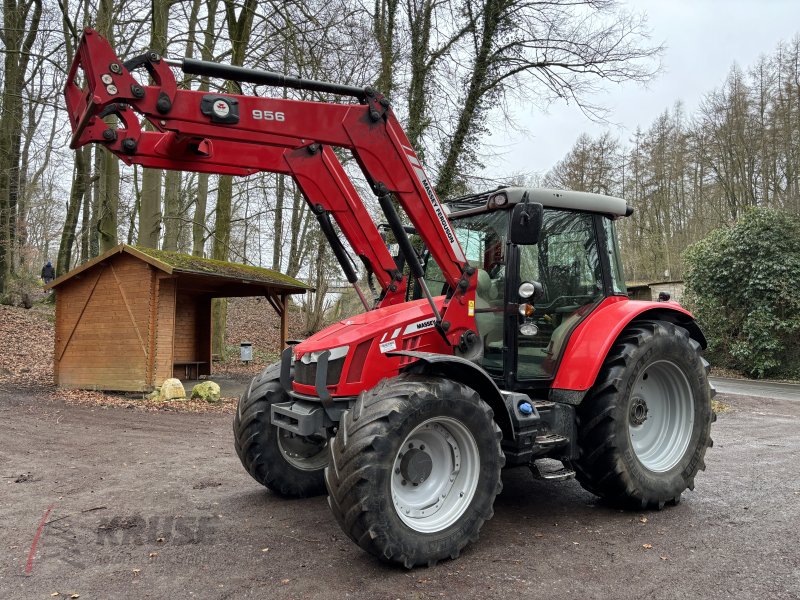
x=286 y=463
x=414 y=469
x=645 y=427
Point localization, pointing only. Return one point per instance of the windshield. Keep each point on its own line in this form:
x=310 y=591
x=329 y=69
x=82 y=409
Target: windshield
x=483 y=239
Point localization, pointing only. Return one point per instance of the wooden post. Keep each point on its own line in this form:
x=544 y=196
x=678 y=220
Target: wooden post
x=278 y=302
x=284 y=320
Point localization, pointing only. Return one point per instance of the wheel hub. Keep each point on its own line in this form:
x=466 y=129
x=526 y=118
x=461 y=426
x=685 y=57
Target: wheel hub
x=638 y=412
x=660 y=427
x=435 y=474
x=416 y=466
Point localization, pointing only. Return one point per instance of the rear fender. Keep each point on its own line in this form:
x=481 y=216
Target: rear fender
x=461 y=370
x=591 y=341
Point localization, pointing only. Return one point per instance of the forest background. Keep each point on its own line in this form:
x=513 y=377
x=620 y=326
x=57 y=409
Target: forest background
x=452 y=70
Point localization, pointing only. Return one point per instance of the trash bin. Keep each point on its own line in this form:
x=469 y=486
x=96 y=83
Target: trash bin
x=246 y=351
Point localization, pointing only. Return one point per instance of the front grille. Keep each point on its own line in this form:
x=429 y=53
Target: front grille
x=306 y=374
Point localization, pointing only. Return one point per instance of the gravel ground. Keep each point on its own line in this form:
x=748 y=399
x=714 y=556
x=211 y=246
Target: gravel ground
x=156 y=505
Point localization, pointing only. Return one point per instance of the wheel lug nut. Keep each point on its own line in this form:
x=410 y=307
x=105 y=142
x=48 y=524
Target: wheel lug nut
x=411 y=444
x=422 y=446
x=397 y=471
x=403 y=482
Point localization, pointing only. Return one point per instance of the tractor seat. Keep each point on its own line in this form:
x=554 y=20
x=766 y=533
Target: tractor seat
x=490 y=325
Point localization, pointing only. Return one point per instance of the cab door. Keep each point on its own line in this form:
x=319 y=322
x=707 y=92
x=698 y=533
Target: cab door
x=567 y=262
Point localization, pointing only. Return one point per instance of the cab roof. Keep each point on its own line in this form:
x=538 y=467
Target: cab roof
x=551 y=198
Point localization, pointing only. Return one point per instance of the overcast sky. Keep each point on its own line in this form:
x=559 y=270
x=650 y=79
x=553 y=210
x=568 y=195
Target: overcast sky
x=703 y=38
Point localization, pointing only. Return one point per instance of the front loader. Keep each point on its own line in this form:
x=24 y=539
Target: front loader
x=506 y=340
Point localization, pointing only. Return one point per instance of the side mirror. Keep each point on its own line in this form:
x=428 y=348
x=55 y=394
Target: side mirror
x=526 y=223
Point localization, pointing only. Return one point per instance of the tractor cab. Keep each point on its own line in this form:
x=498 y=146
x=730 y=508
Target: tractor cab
x=530 y=297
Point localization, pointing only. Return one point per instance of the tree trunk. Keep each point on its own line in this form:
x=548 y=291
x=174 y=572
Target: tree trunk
x=277 y=240
x=383 y=28
x=80 y=182
x=150 y=204
x=107 y=163
x=239 y=30
x=199 y=221
x=18 y=37
x=201 y=203
x=172 y=185
x=449 y=171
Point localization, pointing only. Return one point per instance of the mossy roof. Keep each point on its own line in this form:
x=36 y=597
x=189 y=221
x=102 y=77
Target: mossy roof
x=186 y=263
x=176 y=262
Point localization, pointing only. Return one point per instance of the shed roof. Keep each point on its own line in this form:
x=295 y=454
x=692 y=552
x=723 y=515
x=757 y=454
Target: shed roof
x=178 y=263
x=643 y=284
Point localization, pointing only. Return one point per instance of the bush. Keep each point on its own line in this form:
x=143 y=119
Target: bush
x=743 y=283
x=22 y=290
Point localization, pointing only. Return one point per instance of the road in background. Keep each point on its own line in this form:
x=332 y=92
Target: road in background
x=760 y=389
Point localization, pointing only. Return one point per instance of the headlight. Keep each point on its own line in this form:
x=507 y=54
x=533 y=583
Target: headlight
x=528 y=329
x=336 y=353
x=526 y=289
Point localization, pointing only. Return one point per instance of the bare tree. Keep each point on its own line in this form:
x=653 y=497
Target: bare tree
x=21 y=26
x=545 y=51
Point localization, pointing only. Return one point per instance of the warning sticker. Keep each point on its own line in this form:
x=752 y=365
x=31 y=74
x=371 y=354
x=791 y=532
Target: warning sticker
x=471 y=308
x=388 y=346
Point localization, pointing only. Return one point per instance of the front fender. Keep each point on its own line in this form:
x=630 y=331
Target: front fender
x=466 y=372
x=592 y=339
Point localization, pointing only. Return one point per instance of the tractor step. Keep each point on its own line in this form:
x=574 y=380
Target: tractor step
x=561 y=474
x=543 y=404
x=550 y=440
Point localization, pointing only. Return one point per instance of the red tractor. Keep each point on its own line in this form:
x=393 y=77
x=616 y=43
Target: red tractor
x=500 y=336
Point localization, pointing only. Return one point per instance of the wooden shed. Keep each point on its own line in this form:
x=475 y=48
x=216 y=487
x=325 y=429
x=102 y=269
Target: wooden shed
x=133 y=317
x=651 y=290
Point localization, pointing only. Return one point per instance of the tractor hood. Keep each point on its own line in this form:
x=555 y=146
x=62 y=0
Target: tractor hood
x=389 y=323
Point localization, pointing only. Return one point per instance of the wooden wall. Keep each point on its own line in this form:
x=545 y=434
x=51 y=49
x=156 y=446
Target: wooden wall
x=165 y=324
x=192 y=340
x=186 y=327
x=103 y=327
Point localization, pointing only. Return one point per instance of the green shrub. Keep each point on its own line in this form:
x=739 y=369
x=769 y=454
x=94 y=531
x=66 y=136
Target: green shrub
x=743 y=284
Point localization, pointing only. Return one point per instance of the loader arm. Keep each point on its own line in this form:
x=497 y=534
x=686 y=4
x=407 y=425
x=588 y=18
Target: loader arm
x=238 y=135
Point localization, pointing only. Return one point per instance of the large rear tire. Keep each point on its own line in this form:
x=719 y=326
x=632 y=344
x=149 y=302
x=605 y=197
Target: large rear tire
x=289 y=465
x=644 y=430
x=414 y=469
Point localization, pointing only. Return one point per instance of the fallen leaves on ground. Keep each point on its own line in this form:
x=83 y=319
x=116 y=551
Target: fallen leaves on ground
x=647 y=546
x=136 y=401
x=27 y=356
x=719 y=407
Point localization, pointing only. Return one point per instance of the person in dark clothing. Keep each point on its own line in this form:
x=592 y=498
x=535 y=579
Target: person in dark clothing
x=48 y=273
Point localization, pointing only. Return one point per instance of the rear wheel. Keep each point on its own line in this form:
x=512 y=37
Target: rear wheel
x=415 y=468
x=286 y=463
x=644 y=430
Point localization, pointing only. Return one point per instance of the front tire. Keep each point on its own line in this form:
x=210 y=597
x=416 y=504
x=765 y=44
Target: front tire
x=644 y=430
x=414 y=469
x=290 y=465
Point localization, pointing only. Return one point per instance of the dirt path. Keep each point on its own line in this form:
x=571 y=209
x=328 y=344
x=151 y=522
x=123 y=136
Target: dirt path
x=156 y=505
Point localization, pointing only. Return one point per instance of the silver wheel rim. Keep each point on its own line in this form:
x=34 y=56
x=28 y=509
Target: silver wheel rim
x=447 y=468
x=661 y=416
x=303 y=452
